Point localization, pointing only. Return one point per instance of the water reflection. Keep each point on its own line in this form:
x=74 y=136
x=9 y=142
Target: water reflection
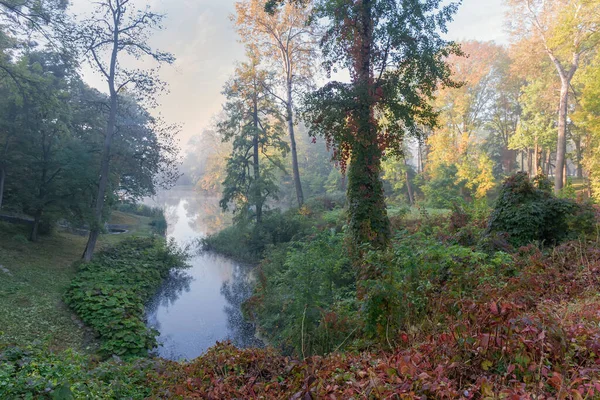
x=174 y=286
x=199 y=306
x=236 y=291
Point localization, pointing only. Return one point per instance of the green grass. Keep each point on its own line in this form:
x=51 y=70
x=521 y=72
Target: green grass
x=31 y=306
x=140 y=227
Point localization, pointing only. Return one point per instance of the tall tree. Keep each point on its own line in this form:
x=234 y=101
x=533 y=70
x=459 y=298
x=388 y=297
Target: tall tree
x=116 y=29
x=505 y=111
x=536 y=129
x=10 y=96
x=253 y=124
x=464 y=113
x=286 y=39
x=566 y=30
x=395 y=55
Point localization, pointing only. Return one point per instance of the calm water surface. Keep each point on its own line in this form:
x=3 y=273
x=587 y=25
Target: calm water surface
x=199 y=306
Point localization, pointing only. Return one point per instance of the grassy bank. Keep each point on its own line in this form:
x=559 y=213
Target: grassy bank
x=32 y=282
x=35 y=276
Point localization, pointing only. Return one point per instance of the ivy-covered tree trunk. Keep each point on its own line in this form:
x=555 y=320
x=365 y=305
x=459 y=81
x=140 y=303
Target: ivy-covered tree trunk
x=369 y=222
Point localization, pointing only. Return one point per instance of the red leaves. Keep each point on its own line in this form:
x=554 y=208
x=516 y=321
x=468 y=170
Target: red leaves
x=494 y=308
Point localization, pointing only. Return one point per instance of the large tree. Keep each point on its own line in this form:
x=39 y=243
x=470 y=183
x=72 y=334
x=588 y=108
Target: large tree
x=285 y=39
x=115 y=30
x=253 y=124
x=566 y=31
x=396 y=58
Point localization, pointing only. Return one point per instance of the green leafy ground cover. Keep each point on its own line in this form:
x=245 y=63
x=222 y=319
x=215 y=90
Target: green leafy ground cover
x=110 y=292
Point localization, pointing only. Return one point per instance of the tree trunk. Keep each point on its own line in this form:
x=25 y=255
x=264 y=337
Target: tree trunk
x=548 y=162
x=369 y=222
x=256 y=166
x=296 y=170
x=106 y=150
x=522 y=161
x=2 y=180
x=579 y=156
x=411 y=197
x=561 y=146
x=36 y=226
x=419 y=158
x=536 y=158
x=509 y=158
x=104 y=179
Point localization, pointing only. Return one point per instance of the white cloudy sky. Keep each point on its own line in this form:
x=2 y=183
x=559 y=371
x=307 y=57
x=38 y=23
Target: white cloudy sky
x=202 y=38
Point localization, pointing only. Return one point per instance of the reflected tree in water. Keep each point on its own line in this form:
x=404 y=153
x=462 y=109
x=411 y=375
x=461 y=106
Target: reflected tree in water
x=236 y=292
x=174 y=286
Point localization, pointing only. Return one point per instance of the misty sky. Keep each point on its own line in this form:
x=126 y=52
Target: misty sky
x=201 y=36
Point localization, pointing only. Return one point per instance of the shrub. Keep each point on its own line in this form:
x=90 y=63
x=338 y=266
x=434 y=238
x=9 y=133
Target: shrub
x=417 y=269
x=109 y=293
x=441 y=191
x=528 y=212
x=248 y=242
x=140 y=209
x=306 y=295
x=159 y=224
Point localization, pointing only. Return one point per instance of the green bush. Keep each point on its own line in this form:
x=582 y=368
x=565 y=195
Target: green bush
x=109 y=293
x=413 y=270
x=307 y=301
x=441 y=191
x=159 y=224
x=305 y=297
x=140 y=209
x=527 y=212
x=248 y=242
x=327 y=202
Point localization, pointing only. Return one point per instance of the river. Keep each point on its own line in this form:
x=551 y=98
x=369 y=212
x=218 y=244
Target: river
x=199 y=306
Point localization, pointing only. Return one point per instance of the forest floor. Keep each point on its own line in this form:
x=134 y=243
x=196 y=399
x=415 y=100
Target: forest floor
x=35 y=276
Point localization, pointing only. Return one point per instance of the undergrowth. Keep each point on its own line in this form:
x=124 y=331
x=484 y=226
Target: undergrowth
x=109 y=293
x=34 y=372
x=248 y=242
